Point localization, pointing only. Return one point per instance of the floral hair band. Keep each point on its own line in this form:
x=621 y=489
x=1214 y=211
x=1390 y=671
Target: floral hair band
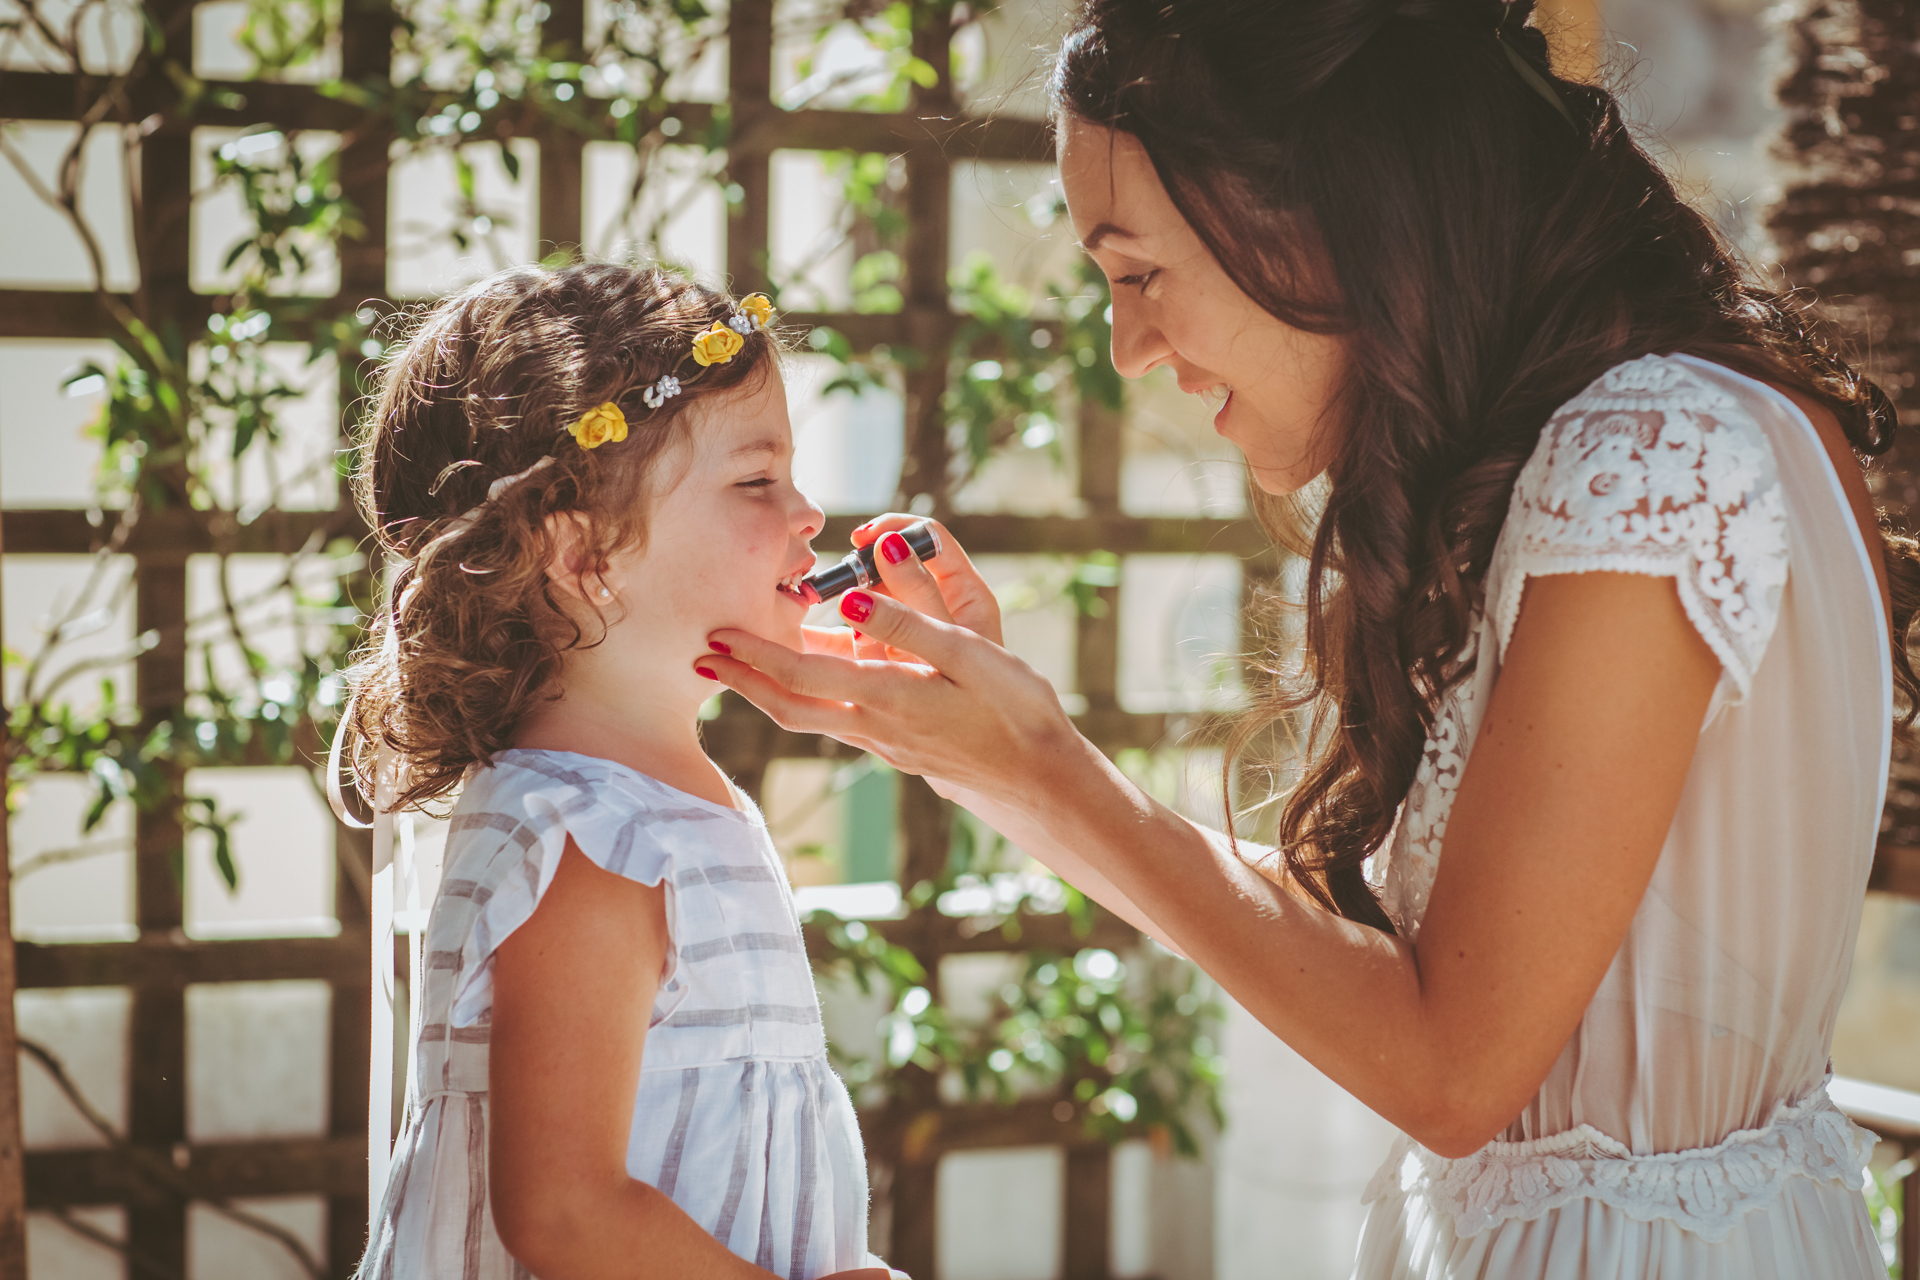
x=606 y=423
x=718 y=343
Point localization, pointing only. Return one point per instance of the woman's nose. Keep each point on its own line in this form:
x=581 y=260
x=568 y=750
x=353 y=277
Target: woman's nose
x=1138 y=344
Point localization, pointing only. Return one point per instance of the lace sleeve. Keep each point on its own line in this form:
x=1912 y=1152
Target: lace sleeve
x=1655 y=470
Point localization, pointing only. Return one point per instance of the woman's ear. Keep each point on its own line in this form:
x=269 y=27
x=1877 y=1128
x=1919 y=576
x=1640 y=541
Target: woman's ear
x=571 y=568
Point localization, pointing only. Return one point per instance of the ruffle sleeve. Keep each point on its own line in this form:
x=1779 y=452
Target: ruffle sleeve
x=513 y=828
x=1655 y=470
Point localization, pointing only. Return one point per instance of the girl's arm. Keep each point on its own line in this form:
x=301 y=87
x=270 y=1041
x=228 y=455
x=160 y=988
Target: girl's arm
x=1554 y=834
x=573 y=990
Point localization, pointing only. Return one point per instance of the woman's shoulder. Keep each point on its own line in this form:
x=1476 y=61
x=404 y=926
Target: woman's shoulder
x=1661 y=441
x=1662 y=465
x=1671 y=383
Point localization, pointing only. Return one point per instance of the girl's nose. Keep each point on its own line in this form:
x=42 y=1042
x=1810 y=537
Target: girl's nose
x=808 y=517
x=1138 y=344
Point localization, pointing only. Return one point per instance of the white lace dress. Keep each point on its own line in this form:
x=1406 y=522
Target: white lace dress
x=1685 y=1132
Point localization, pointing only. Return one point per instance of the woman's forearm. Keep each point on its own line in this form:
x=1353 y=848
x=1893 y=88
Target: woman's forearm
x=1033 y=839
x=1347 y=997
x=1558 y=822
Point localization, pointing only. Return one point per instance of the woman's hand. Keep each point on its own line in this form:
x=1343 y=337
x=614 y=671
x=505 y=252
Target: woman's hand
x=946 y=587
x=960 y=707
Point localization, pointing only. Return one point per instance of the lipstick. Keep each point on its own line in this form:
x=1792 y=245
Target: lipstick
x=857 y=568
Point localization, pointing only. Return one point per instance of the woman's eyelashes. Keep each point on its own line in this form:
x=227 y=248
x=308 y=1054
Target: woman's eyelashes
x=1139 y=280
x=758 y=482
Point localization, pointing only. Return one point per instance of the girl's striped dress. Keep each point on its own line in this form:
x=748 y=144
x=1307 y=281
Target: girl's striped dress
x=738 y=1117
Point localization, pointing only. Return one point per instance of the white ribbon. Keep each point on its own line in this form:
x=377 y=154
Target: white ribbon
x=464 y=521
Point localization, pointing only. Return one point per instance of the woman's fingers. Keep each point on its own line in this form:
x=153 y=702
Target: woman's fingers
x=801 y=713
x=809 y=675
x=890 y=522
x=906 y=579
x=941 y=645
x=964 y=595
x=965 y=708
x=834 y=642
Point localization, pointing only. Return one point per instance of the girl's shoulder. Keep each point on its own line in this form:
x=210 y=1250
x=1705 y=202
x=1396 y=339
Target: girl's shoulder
x=623 y=820
x=512 y=823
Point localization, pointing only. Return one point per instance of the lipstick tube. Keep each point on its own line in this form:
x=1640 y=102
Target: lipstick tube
x=857 y=568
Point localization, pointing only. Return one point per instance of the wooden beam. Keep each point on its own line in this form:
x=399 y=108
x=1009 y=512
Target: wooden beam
x=172 y=530
x=1086 y=1209
x=56 y=98
x=978 y=1126
x=13 y=1210
x=562 y=151
x=50 y=97
x=76 y=313
x=176 y=530
x=164 y=961
x=1896 y=869
x=156 y=1087
x=936 y=934
x=271 y=1167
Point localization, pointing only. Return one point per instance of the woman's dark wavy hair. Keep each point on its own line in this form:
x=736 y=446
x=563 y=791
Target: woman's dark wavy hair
x=482 y=386
x=1489 y=258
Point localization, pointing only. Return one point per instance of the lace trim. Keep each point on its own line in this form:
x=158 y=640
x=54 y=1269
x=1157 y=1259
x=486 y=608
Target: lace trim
x=1706 y=1190
x=1413 y=859
x=1653 y=469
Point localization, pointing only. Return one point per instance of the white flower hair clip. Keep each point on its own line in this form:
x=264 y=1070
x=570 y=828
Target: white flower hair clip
x=754 y=313
x=660 y=392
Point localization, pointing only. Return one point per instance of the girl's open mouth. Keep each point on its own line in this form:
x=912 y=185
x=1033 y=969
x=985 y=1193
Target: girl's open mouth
x=790 y=587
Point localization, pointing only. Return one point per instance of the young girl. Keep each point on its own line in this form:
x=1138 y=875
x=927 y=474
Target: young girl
x=621 y=1069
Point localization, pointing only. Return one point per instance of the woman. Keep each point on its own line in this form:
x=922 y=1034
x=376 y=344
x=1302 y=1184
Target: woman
x=1594 y=591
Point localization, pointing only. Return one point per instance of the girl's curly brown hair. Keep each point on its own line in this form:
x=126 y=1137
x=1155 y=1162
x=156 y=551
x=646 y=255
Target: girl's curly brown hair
x=485 y=386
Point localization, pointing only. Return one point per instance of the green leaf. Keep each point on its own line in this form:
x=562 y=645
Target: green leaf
x=921 y=72
x=223 y=858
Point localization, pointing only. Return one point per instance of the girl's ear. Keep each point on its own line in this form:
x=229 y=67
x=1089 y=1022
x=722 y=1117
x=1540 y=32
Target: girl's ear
x=570 y=567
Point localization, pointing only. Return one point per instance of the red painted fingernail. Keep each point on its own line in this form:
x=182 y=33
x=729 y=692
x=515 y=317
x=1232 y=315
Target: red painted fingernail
x=717 y=647
x=895 y=548
x=858 y=636
x=856 y=606
x=707 y=672
x=864 y=527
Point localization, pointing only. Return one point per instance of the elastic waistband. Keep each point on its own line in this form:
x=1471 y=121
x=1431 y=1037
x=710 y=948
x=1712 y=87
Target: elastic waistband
x=1705 y=1190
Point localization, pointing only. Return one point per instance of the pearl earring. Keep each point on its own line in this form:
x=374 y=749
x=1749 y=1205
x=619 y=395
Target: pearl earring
x=605 y=594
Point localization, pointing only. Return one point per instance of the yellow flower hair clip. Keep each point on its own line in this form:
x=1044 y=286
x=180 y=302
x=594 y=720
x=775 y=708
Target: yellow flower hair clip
x=721 y=341
x=716 y=344
x=600 y=425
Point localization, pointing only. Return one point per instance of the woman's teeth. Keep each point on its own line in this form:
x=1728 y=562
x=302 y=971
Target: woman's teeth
x=790 y=585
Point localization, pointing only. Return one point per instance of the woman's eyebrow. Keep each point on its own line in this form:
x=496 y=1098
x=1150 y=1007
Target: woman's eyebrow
x=1092 y=240
x=768 y=445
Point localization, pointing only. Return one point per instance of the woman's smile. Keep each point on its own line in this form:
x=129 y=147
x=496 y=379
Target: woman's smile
x=1269 y=385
